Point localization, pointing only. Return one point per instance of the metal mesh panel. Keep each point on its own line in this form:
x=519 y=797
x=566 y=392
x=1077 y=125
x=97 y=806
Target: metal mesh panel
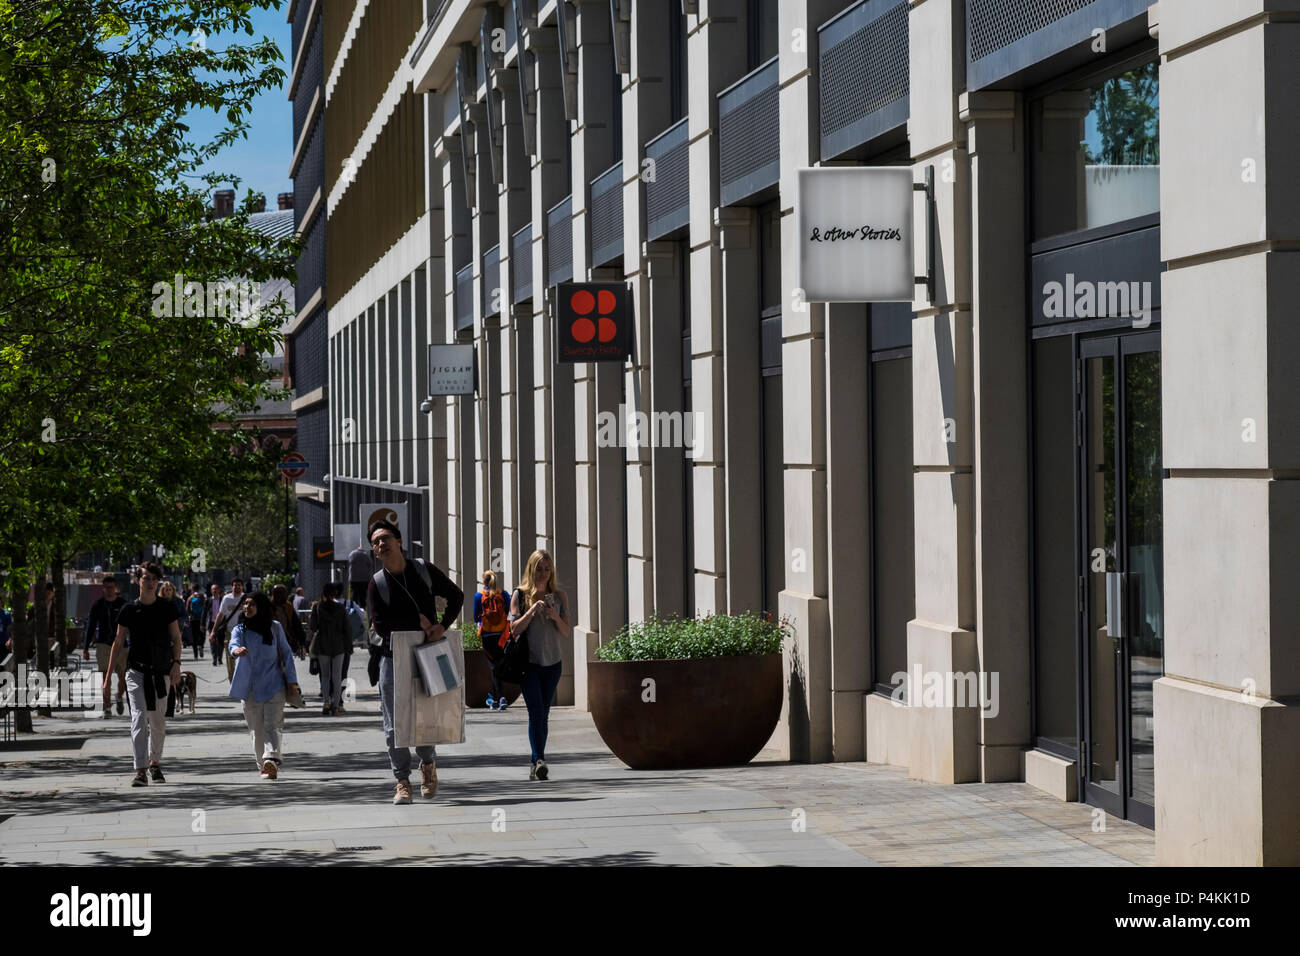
x=667 y=197
x=310 y=174
x=492 y=281
x=864 y=69
x=994 y=24
x=310 y=361
x=607 y=216
x=465 y=297
x=308 y=82
x=749 y=135
x=559 y=235
x=311 y=265
x=521 y=263
x=313 y=442
x=300 y=23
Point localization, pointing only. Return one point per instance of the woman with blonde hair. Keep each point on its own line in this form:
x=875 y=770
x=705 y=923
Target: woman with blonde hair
x=540 y=611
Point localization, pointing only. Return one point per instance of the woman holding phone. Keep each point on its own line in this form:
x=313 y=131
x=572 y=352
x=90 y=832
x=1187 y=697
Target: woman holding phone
x=540 y=611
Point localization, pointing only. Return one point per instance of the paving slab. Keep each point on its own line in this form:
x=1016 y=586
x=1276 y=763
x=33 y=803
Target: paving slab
x=333 y=804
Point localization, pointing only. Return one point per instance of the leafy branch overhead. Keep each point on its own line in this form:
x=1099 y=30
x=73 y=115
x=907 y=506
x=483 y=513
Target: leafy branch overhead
x=107 y=402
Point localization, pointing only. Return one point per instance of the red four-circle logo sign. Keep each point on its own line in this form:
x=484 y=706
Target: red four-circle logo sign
x=603 y=304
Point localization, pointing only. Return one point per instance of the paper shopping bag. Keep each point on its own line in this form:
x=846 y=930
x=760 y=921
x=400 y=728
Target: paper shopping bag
x=418 y=719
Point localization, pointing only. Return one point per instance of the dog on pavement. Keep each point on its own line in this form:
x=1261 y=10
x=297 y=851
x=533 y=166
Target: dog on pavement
x=188 y=687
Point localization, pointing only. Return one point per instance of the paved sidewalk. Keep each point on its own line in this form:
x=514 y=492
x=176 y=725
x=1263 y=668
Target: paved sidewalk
x=332 y=803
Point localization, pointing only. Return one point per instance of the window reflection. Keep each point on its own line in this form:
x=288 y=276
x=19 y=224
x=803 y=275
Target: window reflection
x=1097 y=153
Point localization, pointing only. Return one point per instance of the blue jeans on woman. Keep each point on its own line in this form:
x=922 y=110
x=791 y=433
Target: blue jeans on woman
x=539 y=690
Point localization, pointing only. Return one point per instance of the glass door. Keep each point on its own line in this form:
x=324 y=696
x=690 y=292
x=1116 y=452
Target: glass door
x=1122 y=585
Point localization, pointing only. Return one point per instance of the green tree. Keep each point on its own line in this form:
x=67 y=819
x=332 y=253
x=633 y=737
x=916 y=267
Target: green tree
x=247 y=536
x=109 y=390
x=1127 y=108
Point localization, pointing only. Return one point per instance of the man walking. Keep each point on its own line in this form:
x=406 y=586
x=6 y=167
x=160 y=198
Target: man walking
x=194 y=605
x=401 y=598
x=300 y=602
x=228 y=615
x=153 y=667
x=359 y=571
x=101 y=631
x=210 y=609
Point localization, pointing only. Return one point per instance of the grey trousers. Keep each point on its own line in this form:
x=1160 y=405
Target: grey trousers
x=266 y=725
x=331 y=679
x=148 y=727
x=399 y=758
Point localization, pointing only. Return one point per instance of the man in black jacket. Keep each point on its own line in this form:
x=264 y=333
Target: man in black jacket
x=101 y=629
x=400 y=597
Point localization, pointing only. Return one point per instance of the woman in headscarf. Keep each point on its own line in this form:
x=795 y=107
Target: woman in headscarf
x=260 y=650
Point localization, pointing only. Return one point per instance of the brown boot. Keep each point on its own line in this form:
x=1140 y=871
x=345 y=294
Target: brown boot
x=403 y=794
x=429 y=783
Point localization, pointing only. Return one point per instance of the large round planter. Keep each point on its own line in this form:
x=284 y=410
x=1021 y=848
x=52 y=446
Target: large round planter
x=478 y=681
x=706 y=712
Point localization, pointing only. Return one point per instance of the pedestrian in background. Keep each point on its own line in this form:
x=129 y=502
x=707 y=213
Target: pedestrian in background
x=331 y=634
x=360 y=568
x=540 y=611
x=263 y=670
x=288 y=618
x=194 y=604
x=300 y=601
x=490 y=614
x=211 y=606
x=226 y=617
x=101 y=631
x=153 y=667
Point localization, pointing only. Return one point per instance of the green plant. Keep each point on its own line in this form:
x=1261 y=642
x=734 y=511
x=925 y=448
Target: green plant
x=469 y=636
x=717 y=635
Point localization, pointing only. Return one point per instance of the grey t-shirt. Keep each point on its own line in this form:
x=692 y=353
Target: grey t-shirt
x=359 y=569
x=543 y=636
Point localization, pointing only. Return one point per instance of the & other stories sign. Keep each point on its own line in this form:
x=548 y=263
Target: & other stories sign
x=855 y=227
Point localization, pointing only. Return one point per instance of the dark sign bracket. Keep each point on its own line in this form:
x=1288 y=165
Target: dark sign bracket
x=927 y=187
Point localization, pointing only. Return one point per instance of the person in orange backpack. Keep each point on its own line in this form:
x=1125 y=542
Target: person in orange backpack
x=490 y=614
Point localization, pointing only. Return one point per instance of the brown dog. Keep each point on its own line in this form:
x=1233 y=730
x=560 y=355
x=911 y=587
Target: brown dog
x=188 y=687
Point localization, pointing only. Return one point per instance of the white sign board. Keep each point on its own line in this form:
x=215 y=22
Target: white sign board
x=395 y=513
x=451 y=370
x=855 y=228
x=346 y=538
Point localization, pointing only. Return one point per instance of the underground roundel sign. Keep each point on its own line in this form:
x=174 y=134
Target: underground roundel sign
x=595 y=322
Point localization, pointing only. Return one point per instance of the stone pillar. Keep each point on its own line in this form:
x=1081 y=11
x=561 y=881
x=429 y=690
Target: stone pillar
x=552 y=385
x=944 y=745
x=995 y=143
x=487 y=336
x=436 y=329
x=727 y=394
x=1227 y=710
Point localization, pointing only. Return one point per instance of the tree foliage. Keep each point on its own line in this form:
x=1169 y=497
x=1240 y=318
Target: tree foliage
x=107 y=402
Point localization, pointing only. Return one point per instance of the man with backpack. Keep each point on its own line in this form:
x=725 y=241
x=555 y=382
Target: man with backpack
x=400 y=597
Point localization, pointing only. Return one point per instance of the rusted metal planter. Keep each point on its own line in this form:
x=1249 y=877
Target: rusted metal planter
x=478 y=681
x=706 y=712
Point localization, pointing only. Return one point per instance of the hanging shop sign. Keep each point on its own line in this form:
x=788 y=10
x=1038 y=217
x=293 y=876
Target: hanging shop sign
x=855 y=234
x=394 y=512
x=452 y=370
x=594 y=322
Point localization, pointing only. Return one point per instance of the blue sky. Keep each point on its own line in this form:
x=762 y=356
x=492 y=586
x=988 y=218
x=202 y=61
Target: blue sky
x=262 y=160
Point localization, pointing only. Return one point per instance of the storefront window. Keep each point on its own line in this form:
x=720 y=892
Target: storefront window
x=1096 y=155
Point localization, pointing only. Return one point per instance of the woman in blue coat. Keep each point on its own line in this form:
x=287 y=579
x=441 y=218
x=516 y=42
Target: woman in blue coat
x=259 y=647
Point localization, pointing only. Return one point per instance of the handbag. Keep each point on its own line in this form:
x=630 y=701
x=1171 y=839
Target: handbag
x=513 y=662
x=291 y=697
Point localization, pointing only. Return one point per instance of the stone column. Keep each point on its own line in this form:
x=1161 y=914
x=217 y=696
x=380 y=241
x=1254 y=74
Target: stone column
x=487 y=337
x=436 y=327
x=995 y=143
x=727 y=395
x=944 y=745
x=552 y=386
x=1227 y=710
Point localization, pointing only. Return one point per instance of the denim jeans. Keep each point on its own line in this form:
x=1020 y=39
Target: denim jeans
x=539 y=691
x=399 y=759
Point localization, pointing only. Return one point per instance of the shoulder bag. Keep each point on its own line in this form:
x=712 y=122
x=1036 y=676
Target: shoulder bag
x=513 y=662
